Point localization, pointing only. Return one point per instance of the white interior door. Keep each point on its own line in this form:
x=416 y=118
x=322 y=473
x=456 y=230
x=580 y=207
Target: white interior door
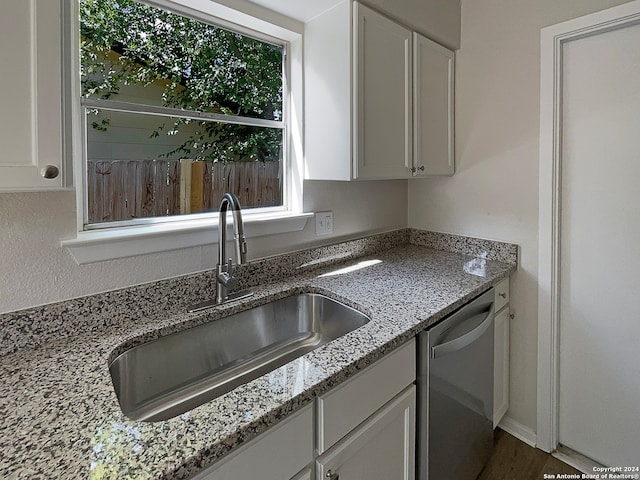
x=599 y=327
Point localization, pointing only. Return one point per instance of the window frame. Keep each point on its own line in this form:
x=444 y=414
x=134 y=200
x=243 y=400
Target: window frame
x=88 y=103
x=156 y=234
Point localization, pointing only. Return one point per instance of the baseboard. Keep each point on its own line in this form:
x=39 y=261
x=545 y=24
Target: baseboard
x=518 y=430
x=576 y=460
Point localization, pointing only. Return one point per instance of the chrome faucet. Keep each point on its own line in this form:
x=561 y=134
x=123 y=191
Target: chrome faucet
x=226 y=282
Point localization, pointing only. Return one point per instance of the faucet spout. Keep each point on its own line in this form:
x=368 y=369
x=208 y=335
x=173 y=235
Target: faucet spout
x=225 y=280
x=230 y=201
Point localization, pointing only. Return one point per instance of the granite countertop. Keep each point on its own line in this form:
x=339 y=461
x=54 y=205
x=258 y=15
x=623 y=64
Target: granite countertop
x=61 y=418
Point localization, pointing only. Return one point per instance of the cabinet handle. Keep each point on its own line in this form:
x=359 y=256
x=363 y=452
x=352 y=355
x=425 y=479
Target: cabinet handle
x=414 y=170
x=332 y=476
x=50 y=171
x=502 y=294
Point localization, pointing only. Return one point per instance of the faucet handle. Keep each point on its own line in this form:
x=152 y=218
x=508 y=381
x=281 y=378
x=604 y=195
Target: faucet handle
x=230 y=266
x=232 y=283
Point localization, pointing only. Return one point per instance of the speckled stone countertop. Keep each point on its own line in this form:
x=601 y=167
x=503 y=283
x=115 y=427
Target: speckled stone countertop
x=60 y=416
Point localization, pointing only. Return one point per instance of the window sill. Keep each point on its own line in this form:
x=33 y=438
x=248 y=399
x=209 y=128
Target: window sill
x=89 y=246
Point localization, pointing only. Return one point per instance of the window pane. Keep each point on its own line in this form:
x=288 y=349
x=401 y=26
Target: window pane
x=142 y=54
x=136 y=166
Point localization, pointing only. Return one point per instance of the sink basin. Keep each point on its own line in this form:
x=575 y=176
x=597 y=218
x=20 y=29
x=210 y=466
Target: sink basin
x=171 y=375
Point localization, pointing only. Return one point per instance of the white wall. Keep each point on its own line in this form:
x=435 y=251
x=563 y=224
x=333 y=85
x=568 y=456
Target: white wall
x=494 y=193
x=35 y=270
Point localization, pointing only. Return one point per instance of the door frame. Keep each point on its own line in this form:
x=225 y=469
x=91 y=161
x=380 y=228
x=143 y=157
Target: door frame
x=552 y=39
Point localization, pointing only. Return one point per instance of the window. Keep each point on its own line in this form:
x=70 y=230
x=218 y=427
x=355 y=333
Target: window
x=176 y=112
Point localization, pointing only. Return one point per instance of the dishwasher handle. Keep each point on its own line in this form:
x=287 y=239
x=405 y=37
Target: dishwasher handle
x=466 y=339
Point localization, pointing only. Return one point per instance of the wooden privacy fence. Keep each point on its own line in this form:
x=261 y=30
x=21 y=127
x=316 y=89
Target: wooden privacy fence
x=125 y=189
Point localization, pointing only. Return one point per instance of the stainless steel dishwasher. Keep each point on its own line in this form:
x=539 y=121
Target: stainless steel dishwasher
x=455 y=393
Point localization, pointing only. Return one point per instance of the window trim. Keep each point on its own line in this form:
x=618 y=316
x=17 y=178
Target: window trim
x=129 y=107
x=171 y=233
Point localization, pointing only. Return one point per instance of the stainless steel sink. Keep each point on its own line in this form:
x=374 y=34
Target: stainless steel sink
x=169 y=376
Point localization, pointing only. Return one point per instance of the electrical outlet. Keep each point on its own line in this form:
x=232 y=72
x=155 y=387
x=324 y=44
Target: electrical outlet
x=324 y=223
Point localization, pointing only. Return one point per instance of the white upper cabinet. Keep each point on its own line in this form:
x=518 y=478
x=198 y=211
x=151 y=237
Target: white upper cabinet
x=31 y=96
x=382 y=51
x=433 y=127
x=327 y=95
x=357 y=95
x=368 y=113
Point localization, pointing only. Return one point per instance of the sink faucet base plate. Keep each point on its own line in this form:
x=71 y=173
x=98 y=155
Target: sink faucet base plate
x=212 y=303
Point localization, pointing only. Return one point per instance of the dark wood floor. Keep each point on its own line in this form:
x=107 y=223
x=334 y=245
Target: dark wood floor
x=515 y=460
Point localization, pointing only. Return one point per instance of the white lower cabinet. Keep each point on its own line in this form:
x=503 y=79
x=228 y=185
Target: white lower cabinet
x=282 y=452
x=366 y=426
x=306 y=474
x=382 y=448
x=343 y=408
x=501 y=352
x=362 y=429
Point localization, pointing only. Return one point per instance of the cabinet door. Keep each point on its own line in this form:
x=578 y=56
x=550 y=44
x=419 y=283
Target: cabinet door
x=501 y=366
x=382 y=50
x=31 y=95
x=274 y=455
x=342 y=409
x=305 y=474
x=382 y=448
x=433 y=114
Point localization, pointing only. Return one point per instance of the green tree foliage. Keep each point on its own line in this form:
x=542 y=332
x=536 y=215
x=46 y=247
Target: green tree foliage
x=195 y=66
